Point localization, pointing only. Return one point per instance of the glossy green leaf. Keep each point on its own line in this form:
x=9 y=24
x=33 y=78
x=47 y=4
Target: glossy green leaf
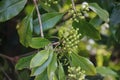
x=87 y=29
x=38 y=42
x=25 y=29
x=106 y=71
x=103 y=14
x=84 y=63
x=52 y=67
x=39 y=58
x=24 y=62
x=42 y=76
x=38 y=70
x=61 y=74
x=10 y=8
x=49 y=20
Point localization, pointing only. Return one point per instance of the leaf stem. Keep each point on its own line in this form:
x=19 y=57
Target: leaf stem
x=39 y=18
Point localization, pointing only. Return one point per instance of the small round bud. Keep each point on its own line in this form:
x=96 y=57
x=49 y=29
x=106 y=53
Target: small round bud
x=55 y=2
x=49 y=0
x=72 y=11
x=82 y=17
x=45 y=3
x=49 y=5
x=84 y=5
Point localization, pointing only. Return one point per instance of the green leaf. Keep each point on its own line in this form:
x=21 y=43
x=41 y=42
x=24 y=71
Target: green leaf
x=61 y=74
x=42 y=76
x=10 y=8
x=87 y=29
x=38 y=42
x=104 y=71
x=96 y=22
x=24 y=75
x=52 y=67
x=38 y=70
x=49 y=20
x=25 y=29
x=84 y=63
x=39 y=58
x=103 y=14
x=52 y=8
x=24 y=62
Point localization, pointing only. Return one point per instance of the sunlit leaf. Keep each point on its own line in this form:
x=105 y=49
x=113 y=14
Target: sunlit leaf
x=39 y=58
x=10 y=8
x=42 y=68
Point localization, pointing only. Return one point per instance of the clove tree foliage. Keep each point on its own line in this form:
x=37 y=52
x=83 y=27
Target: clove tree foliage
x=68 y=39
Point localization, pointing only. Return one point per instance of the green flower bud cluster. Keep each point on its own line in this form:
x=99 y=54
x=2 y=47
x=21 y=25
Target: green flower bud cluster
x=85 y=6
x=81 y=13
x=70 y=39
x=76 y=73
x=50 y=2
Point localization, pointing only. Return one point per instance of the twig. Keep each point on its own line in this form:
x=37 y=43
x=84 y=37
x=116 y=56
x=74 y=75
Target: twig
x=27 y=54
x=56 y=43
x=39 y=18
x=73 y=6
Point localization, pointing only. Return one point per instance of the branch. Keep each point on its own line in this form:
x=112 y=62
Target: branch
x=7 y=57
x=39 y=18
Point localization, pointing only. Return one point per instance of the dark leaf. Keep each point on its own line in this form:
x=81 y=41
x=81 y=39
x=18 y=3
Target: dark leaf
x=84 y=63
x=103 y=14
x=115 y=16
x=25 y=29
x=10 y=8
x=87 y=29
x=24 y=62
x=42 y=76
